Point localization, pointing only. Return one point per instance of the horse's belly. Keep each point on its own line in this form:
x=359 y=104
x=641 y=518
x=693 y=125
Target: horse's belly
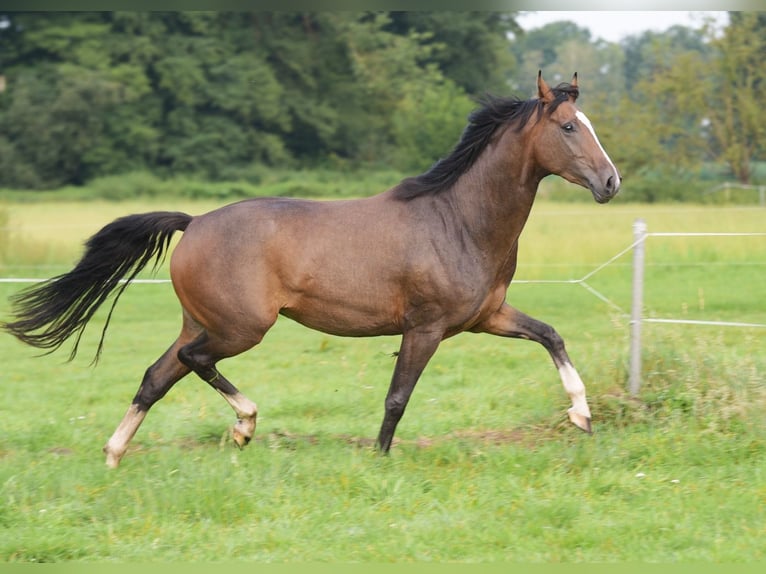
x=348 y=320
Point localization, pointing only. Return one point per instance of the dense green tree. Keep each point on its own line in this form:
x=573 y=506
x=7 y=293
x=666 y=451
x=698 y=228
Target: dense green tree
x=696 y=96
x=542 y=49
x=736 y=92
x=215 y=93
x=218 y=94
x=664 y=110
x=650 y=52
x=470 y=48
x=64 y=87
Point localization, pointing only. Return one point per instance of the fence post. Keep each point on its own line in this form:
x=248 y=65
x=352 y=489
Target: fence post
x=639 y=237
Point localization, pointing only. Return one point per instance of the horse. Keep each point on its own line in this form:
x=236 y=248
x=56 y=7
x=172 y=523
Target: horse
x=426 y=259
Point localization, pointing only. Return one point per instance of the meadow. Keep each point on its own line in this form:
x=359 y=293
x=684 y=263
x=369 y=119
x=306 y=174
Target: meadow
x=485 y=466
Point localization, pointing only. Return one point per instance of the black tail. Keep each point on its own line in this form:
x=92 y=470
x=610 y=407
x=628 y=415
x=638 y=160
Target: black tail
x=49 y=313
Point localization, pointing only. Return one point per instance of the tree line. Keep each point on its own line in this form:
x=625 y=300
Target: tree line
x=218 y=95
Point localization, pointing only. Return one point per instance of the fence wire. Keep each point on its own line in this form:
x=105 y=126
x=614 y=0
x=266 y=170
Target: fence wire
x=694 y=321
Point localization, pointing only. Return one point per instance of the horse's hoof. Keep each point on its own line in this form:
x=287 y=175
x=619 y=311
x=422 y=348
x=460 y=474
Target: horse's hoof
x=580 y=421
x=112 y=458
x=241 y=440
x=243 y=431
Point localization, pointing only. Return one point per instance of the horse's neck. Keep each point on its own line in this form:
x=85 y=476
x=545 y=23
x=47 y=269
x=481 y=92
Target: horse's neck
x=495 y=196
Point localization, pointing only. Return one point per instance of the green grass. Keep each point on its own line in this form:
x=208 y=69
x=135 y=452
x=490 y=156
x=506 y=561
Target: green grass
x=485 y=468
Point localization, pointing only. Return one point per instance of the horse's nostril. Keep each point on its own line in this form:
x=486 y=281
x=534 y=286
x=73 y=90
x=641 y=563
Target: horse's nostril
x=610 y=183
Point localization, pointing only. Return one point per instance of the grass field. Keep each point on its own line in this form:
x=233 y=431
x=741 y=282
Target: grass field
x=485 y=467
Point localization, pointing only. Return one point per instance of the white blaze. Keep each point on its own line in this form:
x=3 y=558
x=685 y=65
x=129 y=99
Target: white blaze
x=586 y=122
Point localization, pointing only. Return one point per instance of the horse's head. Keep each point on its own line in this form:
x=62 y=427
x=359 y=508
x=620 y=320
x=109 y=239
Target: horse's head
x=566 y=144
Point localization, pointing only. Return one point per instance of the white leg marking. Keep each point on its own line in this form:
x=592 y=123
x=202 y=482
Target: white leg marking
x=575 y=388
x=244 y=407
x=586 y=122
x=117 y=445
x=247 y=412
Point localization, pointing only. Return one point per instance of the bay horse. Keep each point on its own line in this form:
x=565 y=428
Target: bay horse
x=427 y=259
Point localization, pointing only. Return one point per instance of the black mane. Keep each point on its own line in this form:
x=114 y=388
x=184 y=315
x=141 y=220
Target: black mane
x=482 y=124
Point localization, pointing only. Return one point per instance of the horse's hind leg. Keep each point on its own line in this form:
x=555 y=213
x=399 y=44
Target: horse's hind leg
x=201 y=357
x=158 y=380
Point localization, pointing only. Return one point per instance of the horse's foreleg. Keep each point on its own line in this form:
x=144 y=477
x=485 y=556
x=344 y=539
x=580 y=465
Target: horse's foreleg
x=416 y=350
x=198 y=357
x=510 y=322
x=158 y=380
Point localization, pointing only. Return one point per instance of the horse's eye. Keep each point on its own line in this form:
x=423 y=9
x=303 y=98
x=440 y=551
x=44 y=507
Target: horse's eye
x=568 y=127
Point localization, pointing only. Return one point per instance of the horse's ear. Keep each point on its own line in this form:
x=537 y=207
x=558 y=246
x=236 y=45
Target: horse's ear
x=543 y=91
x=576 y=91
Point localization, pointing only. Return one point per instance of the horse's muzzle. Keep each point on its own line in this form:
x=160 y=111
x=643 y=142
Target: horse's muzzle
x=603 y=193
